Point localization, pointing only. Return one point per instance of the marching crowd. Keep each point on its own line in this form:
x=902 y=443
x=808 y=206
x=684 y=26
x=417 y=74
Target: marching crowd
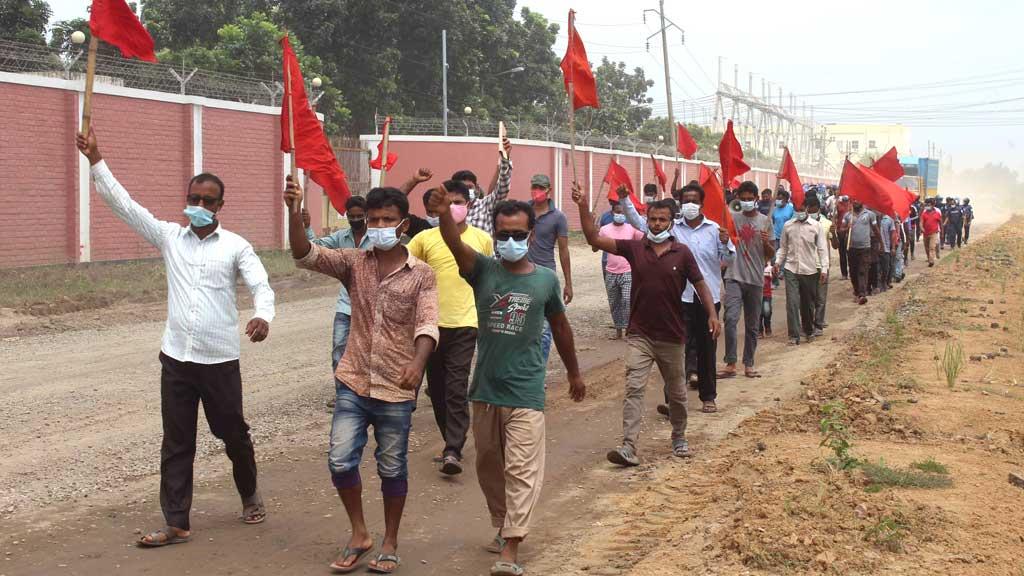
x=477 y=277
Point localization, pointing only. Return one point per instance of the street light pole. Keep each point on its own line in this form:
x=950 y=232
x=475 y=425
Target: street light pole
x=444 y=79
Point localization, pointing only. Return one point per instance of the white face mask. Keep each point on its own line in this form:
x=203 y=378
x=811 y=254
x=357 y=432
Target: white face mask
x=434 y=221
x=384 y=238
x=659 y=237
x=472 y=195
x=815 y=216
x=748 y=205
x=801 y=216
x=689 y=211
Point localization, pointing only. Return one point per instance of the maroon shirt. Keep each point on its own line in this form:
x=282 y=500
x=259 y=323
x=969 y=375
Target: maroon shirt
x=658 y=283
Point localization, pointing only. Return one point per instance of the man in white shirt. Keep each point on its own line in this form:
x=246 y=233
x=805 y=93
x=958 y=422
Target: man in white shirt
x=803 y=255
x=200 y=348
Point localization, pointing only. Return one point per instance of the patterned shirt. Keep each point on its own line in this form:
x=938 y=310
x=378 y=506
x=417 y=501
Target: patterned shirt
x=387 y=317
x=481 y=213
x=343 y=238
x=202 y=278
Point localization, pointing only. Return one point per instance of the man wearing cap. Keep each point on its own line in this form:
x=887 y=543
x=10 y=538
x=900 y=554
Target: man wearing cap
x=552 y=228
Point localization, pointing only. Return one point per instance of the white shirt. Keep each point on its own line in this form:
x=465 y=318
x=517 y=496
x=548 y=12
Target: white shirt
x=803 y=249
x=202 y=313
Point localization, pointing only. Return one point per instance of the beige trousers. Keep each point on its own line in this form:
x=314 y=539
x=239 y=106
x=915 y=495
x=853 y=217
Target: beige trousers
x=643 y=354
x=509 y=464
x=930 y=244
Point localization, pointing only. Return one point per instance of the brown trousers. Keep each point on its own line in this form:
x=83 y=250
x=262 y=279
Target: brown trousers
x=509 y=464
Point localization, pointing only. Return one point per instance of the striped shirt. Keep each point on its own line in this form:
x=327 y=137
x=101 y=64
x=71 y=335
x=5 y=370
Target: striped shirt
x=481 y=213
x=202 y=276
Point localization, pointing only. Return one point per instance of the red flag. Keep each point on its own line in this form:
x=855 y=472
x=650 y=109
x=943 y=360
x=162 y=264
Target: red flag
x=662 y=178
x=685 y=144
x=714 y=200
x=875 y=191
x=114 y=22
x=889 y=165
x=787 y=172
x=392 y=157
x=617 y=176
x=730 y=154
x=576 y=69
x=313 y=152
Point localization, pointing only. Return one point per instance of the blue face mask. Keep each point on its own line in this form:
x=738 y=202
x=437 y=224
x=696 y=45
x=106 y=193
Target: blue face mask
x=619 y=218
x=513 y=250
x=198 y=216
x=383 y=238
x=659 y=237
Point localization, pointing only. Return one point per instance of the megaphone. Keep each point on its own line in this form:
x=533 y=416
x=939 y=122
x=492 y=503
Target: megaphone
x=735 y=205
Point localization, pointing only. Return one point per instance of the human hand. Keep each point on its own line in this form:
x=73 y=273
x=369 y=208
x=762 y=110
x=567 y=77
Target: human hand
x=567 y=293
x=714 y=327
x=422 y=175
x=723 y=235
x=292 y=193
x=305 y=218
x=622 y=192
x=577 y=388
x=88 y=146
x=577 y=194
x=438 y=201
x=766 y=238
x=257 y=330
x=411 y=376
x=506 y=144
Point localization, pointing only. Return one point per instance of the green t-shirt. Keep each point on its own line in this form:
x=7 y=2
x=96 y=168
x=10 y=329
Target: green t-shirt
x=511 y=309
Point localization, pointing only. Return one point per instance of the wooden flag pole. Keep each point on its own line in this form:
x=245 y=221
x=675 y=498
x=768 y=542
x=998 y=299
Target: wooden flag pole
x=90 y=76
x=291 y=135
x=572 y=98
x=384 y=154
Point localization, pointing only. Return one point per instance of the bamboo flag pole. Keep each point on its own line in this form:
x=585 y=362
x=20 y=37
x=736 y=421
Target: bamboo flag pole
x=502 y=135
x=384 y=153
x=291 y=134
x=572 y=97
x=90 y=76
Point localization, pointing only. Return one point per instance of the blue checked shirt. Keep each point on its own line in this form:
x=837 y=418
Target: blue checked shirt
x=481 y=213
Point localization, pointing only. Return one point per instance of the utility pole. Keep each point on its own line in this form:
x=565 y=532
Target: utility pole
x=444 y=79
x=664 y=58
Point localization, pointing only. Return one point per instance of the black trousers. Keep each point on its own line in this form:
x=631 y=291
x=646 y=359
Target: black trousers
x=884 y=270
x=843 y=254
x=967 y=232
x=701 y=350
x=860 y=266
x=219 y=387
x=448 y=380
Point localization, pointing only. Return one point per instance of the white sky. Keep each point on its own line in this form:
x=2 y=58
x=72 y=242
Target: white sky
x=967 y=54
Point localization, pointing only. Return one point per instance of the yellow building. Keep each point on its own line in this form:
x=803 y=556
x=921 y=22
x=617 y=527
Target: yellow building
x=861 y=141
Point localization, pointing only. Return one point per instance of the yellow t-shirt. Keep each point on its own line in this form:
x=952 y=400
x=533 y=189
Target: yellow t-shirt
x=455 y=299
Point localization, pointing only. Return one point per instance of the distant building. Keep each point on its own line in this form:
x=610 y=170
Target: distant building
x=861 y=141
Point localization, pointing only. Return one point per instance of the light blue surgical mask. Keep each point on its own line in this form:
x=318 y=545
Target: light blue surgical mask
x=748 y=205
x=434 y=221
x=659 y=237
x=198 y=216
x=383 y=238
x=619 y=218
x=801 y=216
x=513 y=250
x=779 y=203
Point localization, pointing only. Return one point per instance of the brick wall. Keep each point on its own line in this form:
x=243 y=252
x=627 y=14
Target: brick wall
x=40 y=207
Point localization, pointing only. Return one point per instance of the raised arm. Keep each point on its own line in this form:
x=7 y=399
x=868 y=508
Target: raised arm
x=632 y=216
x=590 y=230
x=502 y=180
x=297 y=237
x=311 y=256
x=464 y=255
x=128 y=210
x=675 y=180
x=421 y=176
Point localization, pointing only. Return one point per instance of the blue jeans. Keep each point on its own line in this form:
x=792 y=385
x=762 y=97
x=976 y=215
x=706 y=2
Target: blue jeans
x=353 y=415
x=342 y=324
x=545 y=341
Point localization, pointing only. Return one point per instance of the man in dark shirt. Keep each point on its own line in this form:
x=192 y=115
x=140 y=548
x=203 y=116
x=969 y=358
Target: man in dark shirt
x=661 y=267
x=953 y=223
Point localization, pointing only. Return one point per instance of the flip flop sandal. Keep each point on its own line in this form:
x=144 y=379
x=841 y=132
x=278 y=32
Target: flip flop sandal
x=496 y=545
x=507 y=569
x=357 y=552
x=752 y=374
x=375 y=567
x=726 y=375
x=709 y=408
x=169 y=537
x=254 y=512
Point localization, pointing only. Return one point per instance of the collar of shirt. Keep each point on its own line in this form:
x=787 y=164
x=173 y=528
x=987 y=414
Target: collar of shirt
x=216 y=232
x=703 y=243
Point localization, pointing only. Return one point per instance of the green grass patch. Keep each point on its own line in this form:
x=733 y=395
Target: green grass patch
x=881 y=474
x=931 y=465
x=888 y=533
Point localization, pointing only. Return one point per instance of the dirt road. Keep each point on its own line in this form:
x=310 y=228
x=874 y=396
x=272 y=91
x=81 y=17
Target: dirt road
x=80 y=434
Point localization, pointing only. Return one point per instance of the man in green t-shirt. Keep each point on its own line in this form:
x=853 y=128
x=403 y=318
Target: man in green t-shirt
x=513 y=299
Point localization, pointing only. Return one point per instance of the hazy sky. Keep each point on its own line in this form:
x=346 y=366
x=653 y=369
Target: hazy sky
x=959 y=57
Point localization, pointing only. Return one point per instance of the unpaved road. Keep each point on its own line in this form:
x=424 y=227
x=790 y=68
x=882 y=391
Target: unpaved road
x=80 y=435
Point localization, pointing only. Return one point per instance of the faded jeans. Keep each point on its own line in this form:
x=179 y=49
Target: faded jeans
x=342 y=324
x=643 y=354
x=353 y=415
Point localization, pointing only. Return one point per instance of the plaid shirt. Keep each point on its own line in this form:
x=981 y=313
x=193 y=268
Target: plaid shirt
x=481 y=213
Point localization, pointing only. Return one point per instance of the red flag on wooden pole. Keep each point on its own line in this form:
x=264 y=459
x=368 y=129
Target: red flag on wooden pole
x=787 y=172
x=685 y=144
x=660 y=174
x=312 y=150
x=392 y=157
x=618 y=176
x=114 y=22
x=730 y=154
x=576 y=72
x=714 y=200
x=875 y=191
x=889 y=165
